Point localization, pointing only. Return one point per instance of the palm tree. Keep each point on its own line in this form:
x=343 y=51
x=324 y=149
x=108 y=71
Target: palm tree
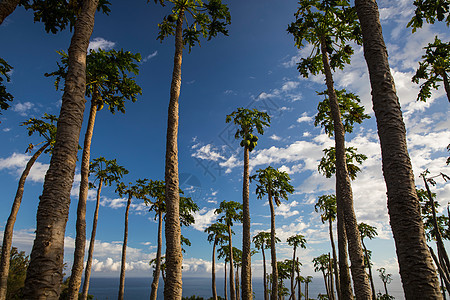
x=106 y=172
x=156 y=190
x=248 y=122
x=322 y=264
x=44 y=274
x=416 y=267
x=308 y=280
x=297 y=240
x=216 y=235
x=210 y=19
x=132 y=191
x=47 y=130
x=262 y=241
x=107 y=82
x=231 y=212
x=275 y=185
x=5 y=97
x=367 y=231
x=386 y=278
x=327 y=205
x=329 y=27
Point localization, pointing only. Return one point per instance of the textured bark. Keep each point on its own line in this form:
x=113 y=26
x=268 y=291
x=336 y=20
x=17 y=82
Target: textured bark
x=299 y=283
x=416 y=267
x=155 y=282
x=9 y=227
x=444 y=277
x=213 y=272
x=293 y=276
x=335 y=267
x=266 y=295
x=225 y=282
x=232 y=286
x=344 y=275
x=87 y=271
x=124 y=252
x=372 y=286
x=327 y=287
x=274 y=294
x=174 y=256
x=238 y=296
x=6 y=8
x=246 y=270
x=80 y=240
x=446 y=85
x=330 y=275
x=344 y=195
x=44 y=275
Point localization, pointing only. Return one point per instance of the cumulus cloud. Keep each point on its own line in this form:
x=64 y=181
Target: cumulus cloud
x=204 y=218
x=305 y=118
x=23 y=108
x=16 y=164
x=100 y=43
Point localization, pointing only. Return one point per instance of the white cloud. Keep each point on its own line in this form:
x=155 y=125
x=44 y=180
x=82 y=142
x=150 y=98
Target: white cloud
x=23 y=108
x=204 y=218
x=150 y=56
x=208 y=152
x=275 y=137
x=6 y=129
x=286 y=209
x=305 y=118
x=17 y=162
x=100 y=43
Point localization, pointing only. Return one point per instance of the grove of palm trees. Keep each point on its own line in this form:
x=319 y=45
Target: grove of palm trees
x=252 y=149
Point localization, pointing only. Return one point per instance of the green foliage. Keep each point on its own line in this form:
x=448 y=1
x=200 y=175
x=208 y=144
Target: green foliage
x=57 y=14
x=201 y=18
x=262 y=240
x=427 y=217
x=5 y=68
x=106 y=170
x=248 y=121
x=351 y=112
x=17 y=272
x=231 y=212
x=46 y=127
x=434 y=66
x=381 y=296
x=327 y=205
x=137 y=191
x=107 y=80
x=272 y=182
x=327 y=165
x=296 y=241
x=328 y=24
x=367 y=231
x=321 y=263
x=385 y=277
x=217 y=233
x=430 y=11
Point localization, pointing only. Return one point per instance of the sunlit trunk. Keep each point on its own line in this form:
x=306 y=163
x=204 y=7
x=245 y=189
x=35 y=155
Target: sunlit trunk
x=274 y=294
x=232 y=286
x=246 y=249
x=156 y=272
x=124 y=252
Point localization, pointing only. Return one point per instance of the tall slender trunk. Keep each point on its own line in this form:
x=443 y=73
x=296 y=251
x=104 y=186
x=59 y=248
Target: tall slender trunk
x=246 y=256
x=327 y=287
x=416 y=267
x=213 y=271
x=174 y=256
x=124 y=252
x=344 y=275
x=44 y=274
x=306 y=291
x=237 y=284
x=443 y=288
x=155 y=282
x=274 y=295
x=344 y=196
x=446 y=85
x=87 y=271
x=6 y=8
x=80 y=240
x=441 y=271
x=232 y=286
x=299 y=282
x=266 y=294
x=370 y=271
x=225 y=281
x=293 y=276
x=9 y=227
x=335 y=263
x=330 y=274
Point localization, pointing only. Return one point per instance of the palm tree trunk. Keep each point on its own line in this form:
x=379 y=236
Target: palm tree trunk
x=9 y=227
x=45 y=272
x=327 y=287
x=370 y=270
x=213 y=272
x=441 y=271
x=274 y=295
x=266 y=295
x=330 y=274
x=225 y=281
x=237 y=284
x=416 y=267
x=87 y=271
x=299 y=282
x=344 y=196
x=156 y=272
x=293 y=276
x=446 y=85
x=124 y=252
x=335 y=267
x=344 y=275
x=174 y=256
x=6 y=8
x=306 y=291
x=80 y=240
x=232 y=286
x=246 y=257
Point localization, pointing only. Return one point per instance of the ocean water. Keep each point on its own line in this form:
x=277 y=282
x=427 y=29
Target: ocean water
x=139 y=288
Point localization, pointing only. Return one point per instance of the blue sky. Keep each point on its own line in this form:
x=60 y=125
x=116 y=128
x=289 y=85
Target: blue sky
x=254 y=67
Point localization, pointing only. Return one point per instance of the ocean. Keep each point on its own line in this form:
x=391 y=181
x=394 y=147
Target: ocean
x=139 y=288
